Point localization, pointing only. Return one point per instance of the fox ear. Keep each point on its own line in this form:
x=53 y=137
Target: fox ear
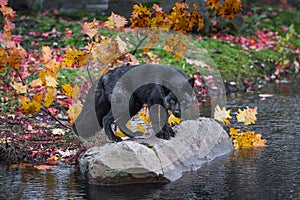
x=192 y=81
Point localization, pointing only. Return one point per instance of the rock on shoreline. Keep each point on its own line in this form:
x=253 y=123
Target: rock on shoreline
x=155 y=160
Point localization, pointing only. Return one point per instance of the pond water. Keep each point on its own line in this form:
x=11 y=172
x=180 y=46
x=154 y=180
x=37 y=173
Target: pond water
x=272 y=172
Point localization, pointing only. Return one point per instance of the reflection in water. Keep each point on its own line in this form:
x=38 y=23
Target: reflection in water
x=29 y=183
x=268 y=173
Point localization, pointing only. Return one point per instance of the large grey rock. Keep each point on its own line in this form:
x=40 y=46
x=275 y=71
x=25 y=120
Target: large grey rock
x=156 y=160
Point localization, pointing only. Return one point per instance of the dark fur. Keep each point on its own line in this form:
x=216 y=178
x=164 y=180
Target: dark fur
x=149 y=94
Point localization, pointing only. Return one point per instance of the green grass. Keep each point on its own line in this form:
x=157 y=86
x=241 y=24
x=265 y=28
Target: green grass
x=233 y=62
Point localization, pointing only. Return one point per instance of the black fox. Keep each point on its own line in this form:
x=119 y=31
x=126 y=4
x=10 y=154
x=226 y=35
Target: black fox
x=150 y=94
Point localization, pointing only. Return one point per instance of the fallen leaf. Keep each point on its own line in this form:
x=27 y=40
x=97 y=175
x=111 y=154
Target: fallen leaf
x=50 y=81
x=41 y=167
x=58 y=131
x=221 y=114
x=19 y=87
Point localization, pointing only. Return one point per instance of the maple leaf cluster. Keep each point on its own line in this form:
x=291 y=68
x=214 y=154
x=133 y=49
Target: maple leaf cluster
x=11 y=52
x=240 y=138
x=179 y=19
x=246 y=139
x=107 y=52
x=229 y=9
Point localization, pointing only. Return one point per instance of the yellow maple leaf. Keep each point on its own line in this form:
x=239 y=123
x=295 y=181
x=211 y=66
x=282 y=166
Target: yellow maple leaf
x=119 y=133
x=213 y=4
x=140 y=128
x=221 y=114
x=75 y=92
x=144 y=115
x=230 y=9
x=247 y=116
x=38 y=97
x=47 y=53
x=36 y=83
x=50 y=81
x=67 y=90
x=14 y=56
x=105 y=52
x=115 y=21
x=247 y=139
x=140 y=17
x=121 y=45
x=74 y=110
x=176 y=45
x=19 y=87
x=52 y=91
x=52 y=66
x=74 y=56
x=49 y=99
x=172 y=120
x=31 y=107
x=234 y=132
x=258 y=142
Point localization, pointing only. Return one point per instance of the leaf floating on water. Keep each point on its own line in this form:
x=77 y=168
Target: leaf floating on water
x=20 y=166
x=41 y=167
x=265 y=95
x=222 y=115
x=247 y=116
x=246 y=139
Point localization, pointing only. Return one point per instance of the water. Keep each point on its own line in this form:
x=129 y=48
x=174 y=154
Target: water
x=269 y=173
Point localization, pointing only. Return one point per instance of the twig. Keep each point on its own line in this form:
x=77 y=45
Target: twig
x=53 y=117
x=20 y=77
x=139 y=44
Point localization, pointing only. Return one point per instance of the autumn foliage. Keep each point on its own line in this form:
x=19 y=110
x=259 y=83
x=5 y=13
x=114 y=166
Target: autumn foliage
x=42 y=91
x=241 y=137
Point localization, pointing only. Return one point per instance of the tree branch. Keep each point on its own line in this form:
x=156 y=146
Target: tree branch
x=44 y=109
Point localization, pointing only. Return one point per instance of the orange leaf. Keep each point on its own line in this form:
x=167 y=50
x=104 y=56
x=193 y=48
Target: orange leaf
x=141 y=16
x=157 y=8
x=74 y=56
x=52 y=66
x=90 y=28
x=8 y=25
x=213 y=4
x=21 y=165
x=3 y=2
x=41 y=167
x=230 y=9
x=36 y=83
x=7 y=11
x=115 y=21
x=47 y=53
x=38 y=97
